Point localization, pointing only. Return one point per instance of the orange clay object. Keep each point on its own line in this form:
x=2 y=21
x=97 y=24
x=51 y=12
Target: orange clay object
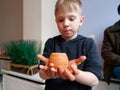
x=61 y=59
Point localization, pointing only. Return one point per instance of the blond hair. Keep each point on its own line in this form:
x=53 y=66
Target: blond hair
x=70 y=4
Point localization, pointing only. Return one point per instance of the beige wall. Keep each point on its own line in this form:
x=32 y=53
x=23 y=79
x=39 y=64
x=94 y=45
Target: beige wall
x=48 y=24
x=11 y=14
x=27 y=19
x=20 y=19
x=32 y=20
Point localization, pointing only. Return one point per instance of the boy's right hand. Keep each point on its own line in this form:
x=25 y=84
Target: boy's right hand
x=45 y=72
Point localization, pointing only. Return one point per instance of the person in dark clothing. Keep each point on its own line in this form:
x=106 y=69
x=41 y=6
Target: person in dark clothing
x=110 y=51
x=68 y=14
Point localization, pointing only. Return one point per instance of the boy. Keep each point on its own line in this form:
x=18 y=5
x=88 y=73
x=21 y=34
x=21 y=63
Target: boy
x=68 y=14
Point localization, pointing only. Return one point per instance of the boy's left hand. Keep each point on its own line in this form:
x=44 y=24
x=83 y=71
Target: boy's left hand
x=67 y=74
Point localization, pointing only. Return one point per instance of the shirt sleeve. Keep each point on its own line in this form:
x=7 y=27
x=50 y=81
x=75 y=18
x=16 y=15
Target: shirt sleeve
x=92 y=63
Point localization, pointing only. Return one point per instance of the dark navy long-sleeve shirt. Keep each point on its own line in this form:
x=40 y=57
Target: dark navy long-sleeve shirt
x=74 y=49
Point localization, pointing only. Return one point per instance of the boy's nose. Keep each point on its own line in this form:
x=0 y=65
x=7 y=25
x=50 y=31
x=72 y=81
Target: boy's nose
x=66 y=23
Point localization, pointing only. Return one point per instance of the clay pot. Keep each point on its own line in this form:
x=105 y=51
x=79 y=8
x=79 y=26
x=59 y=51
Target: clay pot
x=59 y=59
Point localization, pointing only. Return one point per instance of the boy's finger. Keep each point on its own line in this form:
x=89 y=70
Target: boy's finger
x=75 y=70
x=43 y=68
x=61 y=72
x=78 y=61
x=42 y=58
x=69 y=75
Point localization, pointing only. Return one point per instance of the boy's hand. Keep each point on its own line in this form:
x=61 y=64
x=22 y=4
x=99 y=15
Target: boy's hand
x=48 y=72
x=51 y=72
x=67 y=74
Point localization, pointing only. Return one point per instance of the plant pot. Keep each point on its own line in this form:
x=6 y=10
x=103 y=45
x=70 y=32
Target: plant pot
x=29 y=70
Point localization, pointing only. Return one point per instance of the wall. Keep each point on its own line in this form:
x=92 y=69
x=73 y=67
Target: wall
x=32 y=20
x=98 y=16
x=48 y=25
x=20 y=19
x=10 y=20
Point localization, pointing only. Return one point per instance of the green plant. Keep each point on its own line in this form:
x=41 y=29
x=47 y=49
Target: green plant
x=22 y=52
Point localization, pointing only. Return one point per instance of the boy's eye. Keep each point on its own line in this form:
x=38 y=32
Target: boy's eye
x=71 y=19
x=60 y=20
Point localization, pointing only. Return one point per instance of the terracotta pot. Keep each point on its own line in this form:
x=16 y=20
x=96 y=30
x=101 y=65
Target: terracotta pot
x=59 y=59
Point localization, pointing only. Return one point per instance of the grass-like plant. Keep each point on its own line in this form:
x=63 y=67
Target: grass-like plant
x=22 y=52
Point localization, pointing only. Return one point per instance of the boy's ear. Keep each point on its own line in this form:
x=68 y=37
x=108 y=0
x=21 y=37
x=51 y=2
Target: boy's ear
x=81 y=20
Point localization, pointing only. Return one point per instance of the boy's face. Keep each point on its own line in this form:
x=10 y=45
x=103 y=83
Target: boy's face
x=68 y=22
